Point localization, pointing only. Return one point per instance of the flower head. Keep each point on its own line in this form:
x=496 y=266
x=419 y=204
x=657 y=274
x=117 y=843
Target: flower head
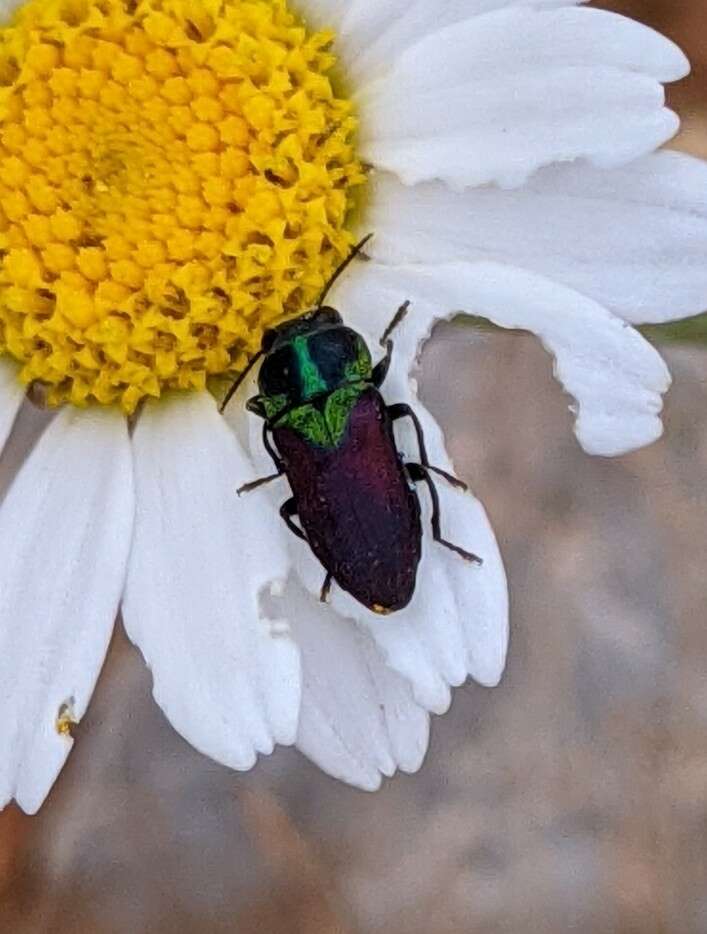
x=177 y=177
x=170 y=184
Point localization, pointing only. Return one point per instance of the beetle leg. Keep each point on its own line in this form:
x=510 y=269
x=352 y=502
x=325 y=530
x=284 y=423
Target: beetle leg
x=397 y=318
x=326 y=588
x=421 y=472
x=254 y=484
x=277 y=460
x=402 y=410
x=380 y=370
x=287 y=511
x=267 y=444
x=255 y=405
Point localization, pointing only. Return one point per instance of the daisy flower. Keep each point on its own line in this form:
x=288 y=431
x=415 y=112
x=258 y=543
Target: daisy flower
x=176 y=176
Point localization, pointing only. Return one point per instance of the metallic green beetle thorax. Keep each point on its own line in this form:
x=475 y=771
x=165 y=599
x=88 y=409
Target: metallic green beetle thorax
x=324 y=427
x=323 y=420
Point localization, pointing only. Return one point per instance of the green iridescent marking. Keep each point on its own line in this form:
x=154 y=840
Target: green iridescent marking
x=273 y=404
x=360 y=368
x=312 y=382
x=338 y=408
x=325 y=429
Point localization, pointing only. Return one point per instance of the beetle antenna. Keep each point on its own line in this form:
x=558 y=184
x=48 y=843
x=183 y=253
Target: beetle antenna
x=239 y=379
x=355 y=251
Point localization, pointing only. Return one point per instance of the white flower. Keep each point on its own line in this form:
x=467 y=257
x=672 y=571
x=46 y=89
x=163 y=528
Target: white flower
x=511 y=143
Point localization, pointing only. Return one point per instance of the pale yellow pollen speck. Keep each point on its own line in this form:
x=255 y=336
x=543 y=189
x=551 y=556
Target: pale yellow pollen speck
x=174 y=178
x=66 y=718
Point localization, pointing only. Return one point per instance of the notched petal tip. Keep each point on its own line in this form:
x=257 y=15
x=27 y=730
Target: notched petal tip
x=488 y=672
x=604 y=440
x=358 y=719
x=616 y=377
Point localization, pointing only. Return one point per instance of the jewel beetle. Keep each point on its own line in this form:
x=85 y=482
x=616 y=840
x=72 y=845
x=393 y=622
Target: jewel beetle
x=327 y=428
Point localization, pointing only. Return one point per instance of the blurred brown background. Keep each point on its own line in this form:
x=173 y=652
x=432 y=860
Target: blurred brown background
x=684 y=21
x=571 y=798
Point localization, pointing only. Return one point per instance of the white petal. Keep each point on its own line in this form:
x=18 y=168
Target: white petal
x=498 y=96
x=370 y=37
x=407 y=723
x=634 y=239
x=322 y=13
x=615 y=375
x=480 y=594
x=358 y=719
x=531 y=39
x=227 y=679
x=64 y=538
x=12 y=392
x=378 y=49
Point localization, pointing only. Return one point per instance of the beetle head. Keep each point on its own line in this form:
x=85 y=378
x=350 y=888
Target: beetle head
x=311 y=321
x=311 y=356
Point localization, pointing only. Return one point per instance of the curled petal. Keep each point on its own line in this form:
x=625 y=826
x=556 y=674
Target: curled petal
x=615 y=376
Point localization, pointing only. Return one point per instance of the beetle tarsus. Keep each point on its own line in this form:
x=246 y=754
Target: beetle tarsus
x=466 y=555
x=420 y=472
x=255 y=405
x=380 y=370
x=397 y=318
x=450 y=478
x=326 y=588
x=254 y=484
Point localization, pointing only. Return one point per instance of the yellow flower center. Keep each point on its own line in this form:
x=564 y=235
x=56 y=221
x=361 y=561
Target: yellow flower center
x=175 y=176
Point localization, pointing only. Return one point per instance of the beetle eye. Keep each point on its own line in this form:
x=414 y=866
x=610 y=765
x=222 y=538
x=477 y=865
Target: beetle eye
x=277 y=377
x=327 y=315
x=268 y=339
x=334 y=350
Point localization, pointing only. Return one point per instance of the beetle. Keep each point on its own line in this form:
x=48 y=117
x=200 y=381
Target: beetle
x=327 y=428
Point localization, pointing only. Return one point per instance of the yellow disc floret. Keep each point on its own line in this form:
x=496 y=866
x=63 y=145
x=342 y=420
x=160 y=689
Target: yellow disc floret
x=174 y=177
